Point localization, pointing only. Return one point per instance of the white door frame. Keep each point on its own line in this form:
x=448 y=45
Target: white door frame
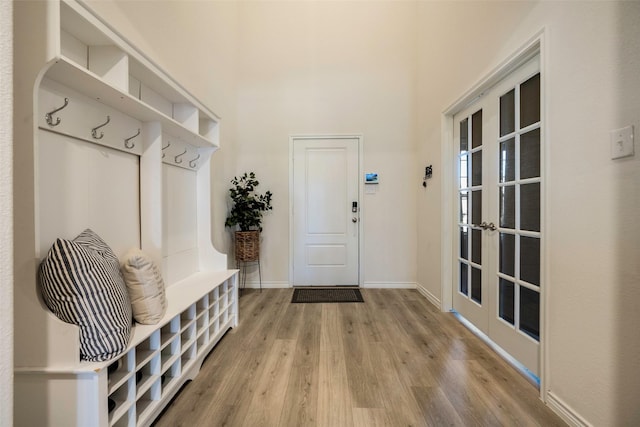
x=535 y=45
x=359 y=138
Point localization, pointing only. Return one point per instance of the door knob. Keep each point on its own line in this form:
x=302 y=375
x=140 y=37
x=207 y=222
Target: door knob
x=354 y=219
x=491 y=226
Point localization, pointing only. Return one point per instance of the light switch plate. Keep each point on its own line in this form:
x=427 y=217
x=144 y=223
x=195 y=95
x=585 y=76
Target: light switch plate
x=622 y=142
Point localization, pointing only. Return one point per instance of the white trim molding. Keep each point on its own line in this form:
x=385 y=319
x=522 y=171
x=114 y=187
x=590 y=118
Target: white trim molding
x=389 y=285
x=564 y=411
x=429 y=295
x=255 y=284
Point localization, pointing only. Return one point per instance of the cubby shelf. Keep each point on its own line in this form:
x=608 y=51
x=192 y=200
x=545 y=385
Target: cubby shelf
x=172 y=359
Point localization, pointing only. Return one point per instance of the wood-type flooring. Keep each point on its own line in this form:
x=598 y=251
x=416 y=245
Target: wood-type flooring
x=393 y=361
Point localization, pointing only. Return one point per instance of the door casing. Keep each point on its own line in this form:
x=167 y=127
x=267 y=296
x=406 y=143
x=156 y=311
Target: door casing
x=534 y=46
x=360 y=139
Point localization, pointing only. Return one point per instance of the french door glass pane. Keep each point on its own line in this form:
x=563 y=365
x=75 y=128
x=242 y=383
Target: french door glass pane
x=476 y=285
x=508 y=112
x=476 y=246
x=508 y=160
x=530 y=260
x=464 y=283
x=464 y=207
x=530 y=312
x=476 y=207
x=530 y=101
x=530 y=207
x=506 y=305
x=464 y=135
x=508 y=206
x=464 y=171
x=530 y=154
x=507 y=254
x=464 y=242
x=476 y=168
x=476 y=129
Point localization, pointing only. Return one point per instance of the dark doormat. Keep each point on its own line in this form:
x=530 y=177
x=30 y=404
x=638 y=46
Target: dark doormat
x=326 y=295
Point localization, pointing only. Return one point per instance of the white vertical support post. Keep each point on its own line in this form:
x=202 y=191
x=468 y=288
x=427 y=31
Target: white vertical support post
x=151 y=191
x=209 y=258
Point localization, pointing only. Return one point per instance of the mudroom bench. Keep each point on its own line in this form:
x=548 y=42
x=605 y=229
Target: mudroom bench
x=110 y=142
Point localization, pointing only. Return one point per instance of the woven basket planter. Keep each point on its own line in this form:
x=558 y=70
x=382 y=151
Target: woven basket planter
x=247 y=245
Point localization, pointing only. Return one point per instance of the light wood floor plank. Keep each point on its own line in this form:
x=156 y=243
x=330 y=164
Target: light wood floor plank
x=436 y=409
x=334 y=397
x=400 y=407
x=363 y=384
x=393 y=361
x=266 y=405
x=301 y=399
x=370 y=417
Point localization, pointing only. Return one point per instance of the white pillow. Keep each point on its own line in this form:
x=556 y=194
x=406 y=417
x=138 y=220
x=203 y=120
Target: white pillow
x=145 y=286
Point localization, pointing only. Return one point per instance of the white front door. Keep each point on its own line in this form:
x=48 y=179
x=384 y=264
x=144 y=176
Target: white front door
x=497 y=254
x=325 y=209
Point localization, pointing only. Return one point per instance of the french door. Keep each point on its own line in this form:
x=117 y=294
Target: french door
x=497 y=251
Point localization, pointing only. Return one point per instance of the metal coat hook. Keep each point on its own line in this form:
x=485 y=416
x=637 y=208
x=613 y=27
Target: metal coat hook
x=49 y=115
x=179 y=156
x=192 y=163
x=126 y=141
x=164 y=148
x=94 y=131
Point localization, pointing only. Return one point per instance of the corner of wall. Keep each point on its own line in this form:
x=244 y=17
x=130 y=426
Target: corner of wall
x=429 y=296
x=6 y=214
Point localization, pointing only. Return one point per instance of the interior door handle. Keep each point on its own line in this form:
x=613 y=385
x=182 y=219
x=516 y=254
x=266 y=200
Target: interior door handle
x=354 y=219
x=491 y=226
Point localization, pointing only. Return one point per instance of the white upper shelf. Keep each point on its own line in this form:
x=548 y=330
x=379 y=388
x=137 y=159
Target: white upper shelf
x=68 y=73
x=93 y=58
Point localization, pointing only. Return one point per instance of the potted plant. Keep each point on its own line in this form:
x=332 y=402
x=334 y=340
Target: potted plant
x=246 y=214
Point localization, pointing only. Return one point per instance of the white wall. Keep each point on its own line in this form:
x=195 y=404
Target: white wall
x=593 y=274
x=6 y=213
x=332 y=68
x=273 y=69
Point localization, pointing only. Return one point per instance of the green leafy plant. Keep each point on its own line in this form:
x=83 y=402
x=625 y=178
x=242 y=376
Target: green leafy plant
x=248 y=206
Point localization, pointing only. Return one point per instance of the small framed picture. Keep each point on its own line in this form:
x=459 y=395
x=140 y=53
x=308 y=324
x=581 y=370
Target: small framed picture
x=371 y=178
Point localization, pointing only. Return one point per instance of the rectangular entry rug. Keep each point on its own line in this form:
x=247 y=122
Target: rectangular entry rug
x=312 y=295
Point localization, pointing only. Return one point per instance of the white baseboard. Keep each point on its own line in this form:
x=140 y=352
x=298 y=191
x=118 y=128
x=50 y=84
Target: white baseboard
x=564 y=411
x=429 y=296
x=265 y=285
x=389 y=285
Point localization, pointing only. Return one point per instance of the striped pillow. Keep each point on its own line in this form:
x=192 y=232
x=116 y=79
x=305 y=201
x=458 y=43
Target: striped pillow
x=81 y=284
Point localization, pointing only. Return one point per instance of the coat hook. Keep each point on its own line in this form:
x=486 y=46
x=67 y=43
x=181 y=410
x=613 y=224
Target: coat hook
x=179 y=156
x=164 y=148
x=49 y=115
x=126 y=141
x=94 y=131
x=192 y=163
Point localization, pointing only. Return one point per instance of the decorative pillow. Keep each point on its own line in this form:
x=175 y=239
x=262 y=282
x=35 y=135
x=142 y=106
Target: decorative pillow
x=146 y=287
x=81 y=284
